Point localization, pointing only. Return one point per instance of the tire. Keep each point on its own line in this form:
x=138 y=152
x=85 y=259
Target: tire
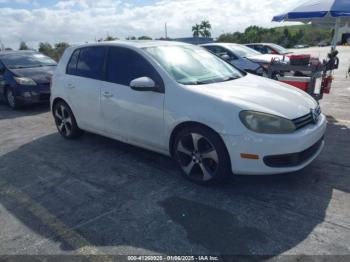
x=65 y=121
x=202 y=155
x=11 y=99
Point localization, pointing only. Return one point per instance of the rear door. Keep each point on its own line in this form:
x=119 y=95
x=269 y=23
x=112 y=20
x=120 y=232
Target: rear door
x=133 y=115
x=85 y=73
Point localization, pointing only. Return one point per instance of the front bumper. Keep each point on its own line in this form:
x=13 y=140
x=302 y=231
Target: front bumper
x=306 y=143
x=33 y=95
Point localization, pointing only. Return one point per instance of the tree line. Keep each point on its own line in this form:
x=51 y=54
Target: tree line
x=285 y=36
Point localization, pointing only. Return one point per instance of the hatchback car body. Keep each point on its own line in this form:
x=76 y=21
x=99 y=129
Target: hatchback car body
x=237 y=53
x=180 y=100
x=25 y=77
x=269 y=48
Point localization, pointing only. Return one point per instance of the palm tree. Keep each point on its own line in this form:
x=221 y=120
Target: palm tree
x=196 y=29
x=206 y=28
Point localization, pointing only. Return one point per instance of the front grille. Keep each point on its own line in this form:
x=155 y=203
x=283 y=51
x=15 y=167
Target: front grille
x=310 y=118
x=292 y=160
x=303 y=121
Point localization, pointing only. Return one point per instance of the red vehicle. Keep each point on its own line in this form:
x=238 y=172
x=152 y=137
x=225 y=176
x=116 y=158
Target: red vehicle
x=269 y=48
x=313 y=77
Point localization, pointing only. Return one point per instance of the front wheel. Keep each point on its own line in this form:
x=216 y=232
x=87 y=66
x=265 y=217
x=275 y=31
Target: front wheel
x=65 y=121
x=11 y=99
x=202 y=155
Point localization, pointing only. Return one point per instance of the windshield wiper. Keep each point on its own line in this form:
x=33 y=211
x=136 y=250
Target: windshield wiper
x=19 y=67
x=230 y=78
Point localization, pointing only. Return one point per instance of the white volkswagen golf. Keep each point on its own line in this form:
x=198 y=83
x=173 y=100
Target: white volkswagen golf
x=185 y=102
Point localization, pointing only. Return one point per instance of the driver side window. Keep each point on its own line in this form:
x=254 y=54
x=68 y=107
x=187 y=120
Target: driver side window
x=220 y=51
x=125 y=65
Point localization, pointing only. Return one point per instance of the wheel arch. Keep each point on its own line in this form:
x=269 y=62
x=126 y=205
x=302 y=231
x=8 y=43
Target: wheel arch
x=60 y=99
x=56 y=100
x=188 y=124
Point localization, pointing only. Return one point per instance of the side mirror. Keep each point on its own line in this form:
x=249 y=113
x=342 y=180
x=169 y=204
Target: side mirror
x=225 y=57
x=144 y=84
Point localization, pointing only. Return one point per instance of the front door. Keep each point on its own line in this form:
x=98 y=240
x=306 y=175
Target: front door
x=133 y=115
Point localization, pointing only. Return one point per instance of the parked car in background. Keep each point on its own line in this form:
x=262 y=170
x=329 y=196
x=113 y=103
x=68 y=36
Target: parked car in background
x=25 y=77
x=180 y=100
x=241 y=63
x=301 y=46
x=324 y=43
x=269 y=48
x=236 y=53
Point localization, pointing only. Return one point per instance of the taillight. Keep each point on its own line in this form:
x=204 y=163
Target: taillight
x=327 y=84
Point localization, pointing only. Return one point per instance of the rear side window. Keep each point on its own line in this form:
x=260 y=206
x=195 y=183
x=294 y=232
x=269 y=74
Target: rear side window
x=125 y=65
x=72 y=65
x=88 y=62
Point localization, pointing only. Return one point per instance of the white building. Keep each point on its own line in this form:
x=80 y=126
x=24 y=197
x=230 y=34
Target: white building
x=344 y=34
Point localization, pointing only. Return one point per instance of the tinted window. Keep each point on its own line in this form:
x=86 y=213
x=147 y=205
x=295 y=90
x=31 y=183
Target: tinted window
x=218 y=50
x=125 y=65
x=262 y=49
x=91 y=62
x=72 y=65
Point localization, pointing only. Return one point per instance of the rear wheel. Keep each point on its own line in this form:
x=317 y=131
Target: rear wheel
x=65 y=121
x=11 y=99
x=202 y=155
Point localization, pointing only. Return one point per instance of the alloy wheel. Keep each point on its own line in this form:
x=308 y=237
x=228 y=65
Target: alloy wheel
x=198 y=157
x=10 y=98
x=63 y=120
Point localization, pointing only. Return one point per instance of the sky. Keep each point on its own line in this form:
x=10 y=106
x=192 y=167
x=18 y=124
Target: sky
x=79 y=21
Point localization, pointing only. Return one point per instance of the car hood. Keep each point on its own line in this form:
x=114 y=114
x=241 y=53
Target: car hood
x=245 y=64
x=267 y=58
x=263 y=95
x=41 y=75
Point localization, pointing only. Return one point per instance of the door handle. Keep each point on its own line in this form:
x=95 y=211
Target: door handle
x=70 y=86
x=107 y=94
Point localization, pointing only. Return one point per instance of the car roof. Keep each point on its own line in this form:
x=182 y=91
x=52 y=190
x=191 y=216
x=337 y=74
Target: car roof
x=220 y=44
x=134 y=43
x=260 y=44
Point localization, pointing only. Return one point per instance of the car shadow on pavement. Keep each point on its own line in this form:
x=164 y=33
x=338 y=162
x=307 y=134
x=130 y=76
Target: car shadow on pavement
x=7 y=113
x=95 y=192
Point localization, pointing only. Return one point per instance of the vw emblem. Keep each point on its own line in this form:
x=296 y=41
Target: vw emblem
x=315 y=113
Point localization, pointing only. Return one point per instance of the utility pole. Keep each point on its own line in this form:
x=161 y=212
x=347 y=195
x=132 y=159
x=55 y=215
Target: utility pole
x=166 y=31
x=2 y=47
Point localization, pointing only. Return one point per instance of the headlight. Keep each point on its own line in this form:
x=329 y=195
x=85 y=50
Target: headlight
x=266 y=123
x=25 y=81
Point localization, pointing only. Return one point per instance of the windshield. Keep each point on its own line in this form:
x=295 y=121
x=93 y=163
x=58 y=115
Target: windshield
x=243 y=51
x=281 y=50
x=192 y=65
x=26 y=60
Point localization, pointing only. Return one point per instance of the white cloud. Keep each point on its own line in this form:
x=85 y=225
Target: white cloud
x=85 y=20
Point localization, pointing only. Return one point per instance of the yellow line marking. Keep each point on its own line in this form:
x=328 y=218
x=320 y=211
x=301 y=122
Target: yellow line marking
x=78 y=242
